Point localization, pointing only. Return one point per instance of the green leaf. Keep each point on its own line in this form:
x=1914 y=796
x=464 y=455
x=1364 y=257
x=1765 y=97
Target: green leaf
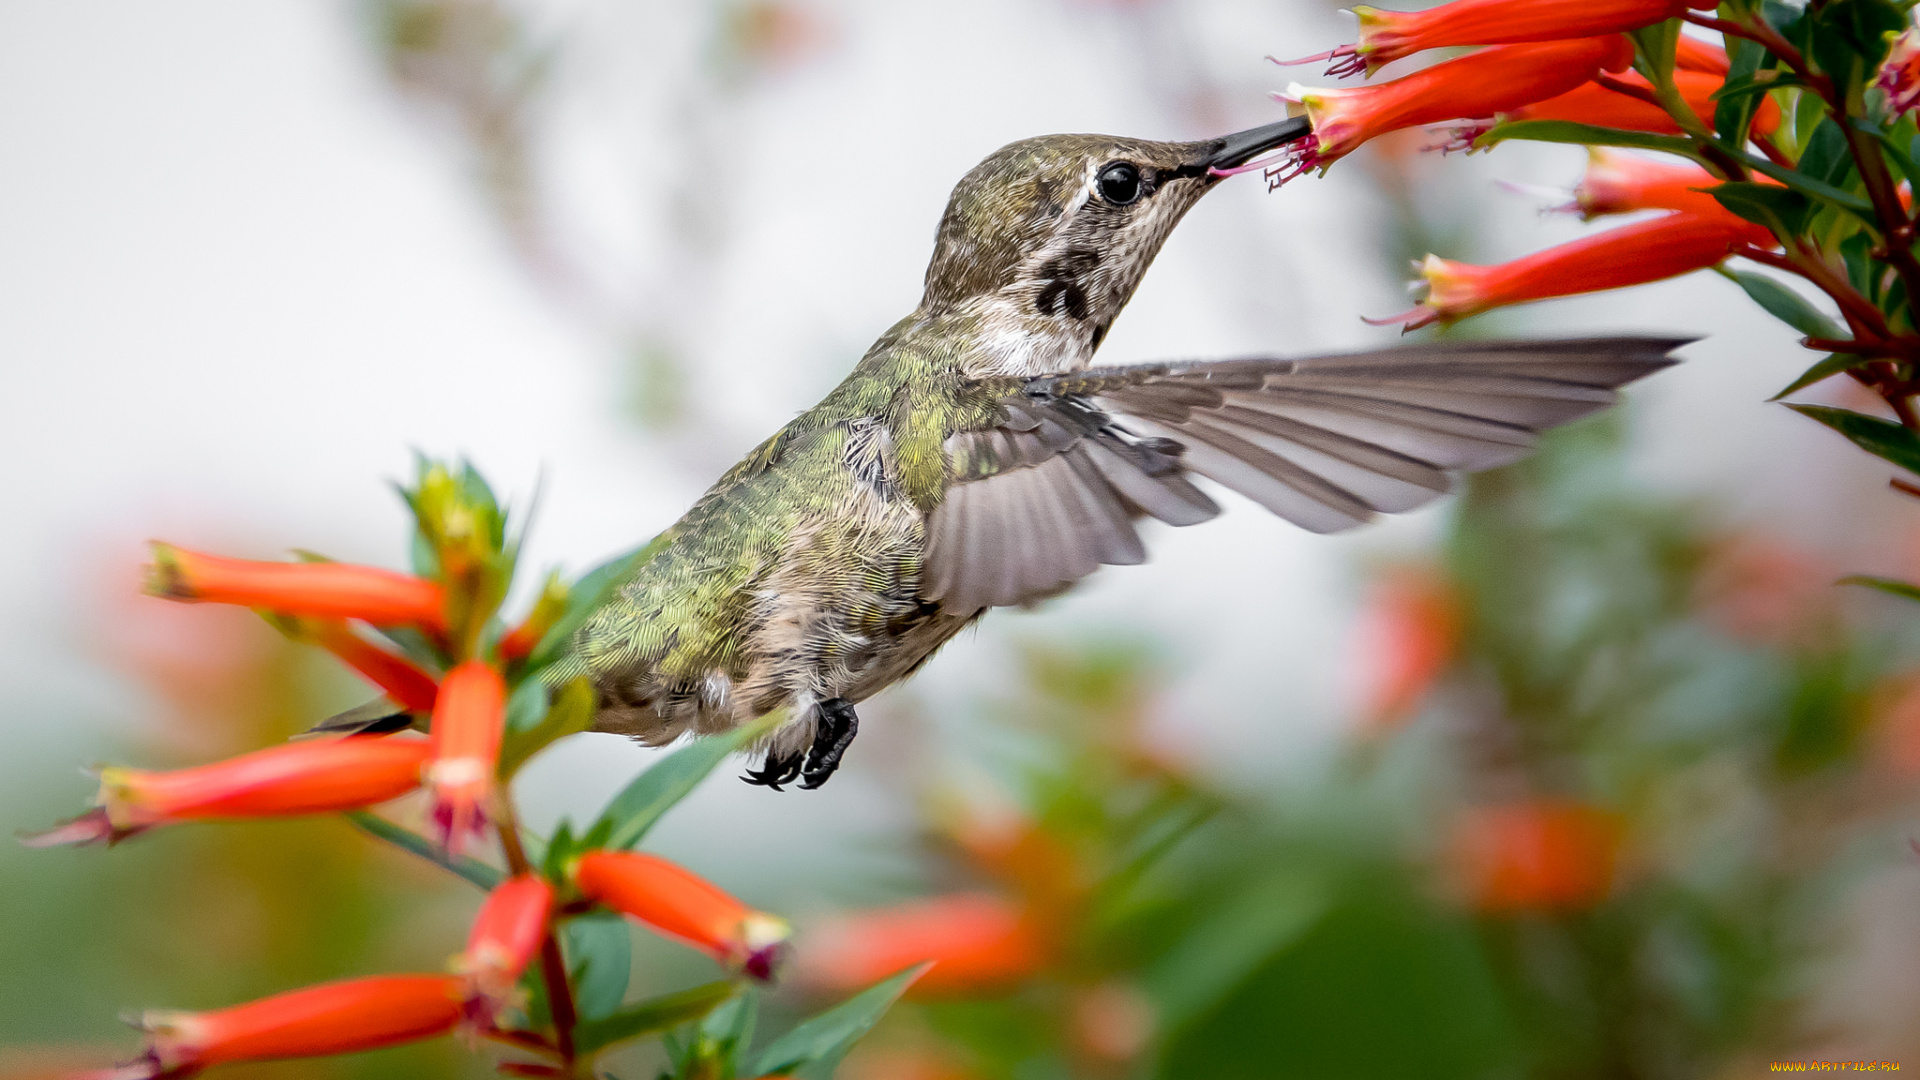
x=1826 y=157
x=1809 y=186
x=599 y=960
x=1881 y=438
x=1891 y=586
x=570 y=713
x=472 y=869
x=815 y=1046
x=1825 y=369
x=1653 y=48
x=1784 y=212
x=527 y=706
x=1787 y=305
x=641 y=803
x=652 y=1016
x=588 y=595
x=1566 y=131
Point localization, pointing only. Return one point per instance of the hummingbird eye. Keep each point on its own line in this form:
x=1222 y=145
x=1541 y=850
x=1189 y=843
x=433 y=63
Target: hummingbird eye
x=1120 y=183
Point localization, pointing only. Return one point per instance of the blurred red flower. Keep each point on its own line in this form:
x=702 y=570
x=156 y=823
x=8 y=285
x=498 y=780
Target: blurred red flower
x=1407 y=636
x=978 y=943
x=1535 y=855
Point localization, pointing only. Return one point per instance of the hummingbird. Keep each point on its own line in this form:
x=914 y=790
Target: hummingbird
x=974 y=459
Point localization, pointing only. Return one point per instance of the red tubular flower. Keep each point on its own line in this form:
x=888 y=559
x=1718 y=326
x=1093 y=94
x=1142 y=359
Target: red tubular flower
x=977 y=942
x=317 y=590
x=312 y=777
x=332 y=1018
x=675 y=902
x=505 y=938
x=1899 y=76
x=1386 y=36
x=1617 y=183
x=409 y=687
x=1692 y=54
x=1597 y=105
x=469 y=719
x=1408 y=637
x=1630 y=255
x=1539 y=854
x=1495 y=80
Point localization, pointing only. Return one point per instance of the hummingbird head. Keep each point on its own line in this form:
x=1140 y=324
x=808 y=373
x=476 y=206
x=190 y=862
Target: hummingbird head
x=1054 y=233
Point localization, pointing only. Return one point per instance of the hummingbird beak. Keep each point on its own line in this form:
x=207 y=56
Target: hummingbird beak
x=1234 y=150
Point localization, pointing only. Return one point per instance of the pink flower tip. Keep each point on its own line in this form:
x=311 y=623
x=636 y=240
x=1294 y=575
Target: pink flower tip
x=92 y=827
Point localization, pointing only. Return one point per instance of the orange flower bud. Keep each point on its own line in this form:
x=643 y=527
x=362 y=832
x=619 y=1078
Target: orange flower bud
x=1495 y=80
x=332 y=1018
x=1386 y=36
x=977 y=942
x=469 y=720
x=505 y=938
x=675 y=902
x=1597 y=105
x=312 y=777
x=317 y=590
x=1541 y=854
x=1692 y=54
x=409 y=687
x=1408 y=637
x=1630 y=255
x=1617 y=183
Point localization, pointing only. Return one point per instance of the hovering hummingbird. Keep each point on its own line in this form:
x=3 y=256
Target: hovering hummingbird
x=974 y=460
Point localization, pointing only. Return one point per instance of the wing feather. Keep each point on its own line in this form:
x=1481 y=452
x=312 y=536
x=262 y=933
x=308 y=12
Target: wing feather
x=1052 y=488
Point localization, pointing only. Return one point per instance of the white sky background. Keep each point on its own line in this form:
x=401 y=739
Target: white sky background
x=239 y=282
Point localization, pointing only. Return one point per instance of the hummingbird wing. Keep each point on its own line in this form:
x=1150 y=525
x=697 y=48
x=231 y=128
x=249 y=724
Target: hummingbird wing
x=1049 y=492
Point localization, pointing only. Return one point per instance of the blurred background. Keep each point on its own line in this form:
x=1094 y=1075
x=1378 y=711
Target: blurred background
x=1587 y=772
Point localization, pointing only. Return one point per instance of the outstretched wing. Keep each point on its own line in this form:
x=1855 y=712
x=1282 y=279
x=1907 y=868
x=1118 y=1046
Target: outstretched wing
x=1051 y=491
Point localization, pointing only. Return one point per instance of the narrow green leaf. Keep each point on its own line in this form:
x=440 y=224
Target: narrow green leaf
x=815 y=1046
x=1566 y=131
x=1817 y=189
x=1787 y=305
x=570 y=713
x=1825 y=369
x=472 y=869
x=652 y=1016
x=641 y=803
x=527 y=706
x=1784 y=212
x=1891 y=586
x=599 y=952
x=1654 y=48
x=1751 y=69
x=1881 y=438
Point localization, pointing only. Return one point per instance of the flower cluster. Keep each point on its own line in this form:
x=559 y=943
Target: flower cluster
x=1559 y=70
x=433 y=643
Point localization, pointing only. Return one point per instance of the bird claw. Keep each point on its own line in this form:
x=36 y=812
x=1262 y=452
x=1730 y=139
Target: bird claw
x=775 y=771
x=837 y=727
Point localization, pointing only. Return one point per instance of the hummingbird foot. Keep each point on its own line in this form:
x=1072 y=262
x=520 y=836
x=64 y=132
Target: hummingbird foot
x=776 y=770
x=837 y=727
